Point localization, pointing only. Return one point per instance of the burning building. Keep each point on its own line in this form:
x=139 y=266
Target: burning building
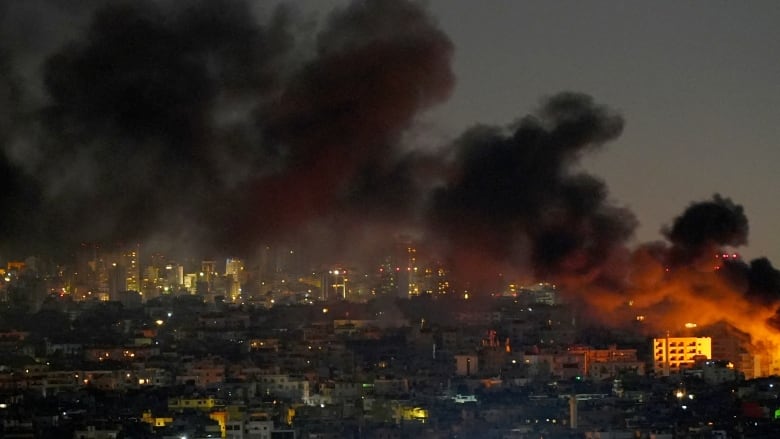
x=671 y=355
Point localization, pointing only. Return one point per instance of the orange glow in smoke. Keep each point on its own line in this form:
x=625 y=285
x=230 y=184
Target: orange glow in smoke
x=667 y=300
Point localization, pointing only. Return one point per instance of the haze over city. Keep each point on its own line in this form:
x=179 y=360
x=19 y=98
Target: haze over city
x=339 y=169
x=695 y=85
x=223 y=128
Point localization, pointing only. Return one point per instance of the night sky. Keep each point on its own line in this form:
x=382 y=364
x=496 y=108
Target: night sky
x=697 y=83
x=216 y=126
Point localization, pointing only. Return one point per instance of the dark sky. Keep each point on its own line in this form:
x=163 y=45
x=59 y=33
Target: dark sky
x=696 y=81
x=122 y=121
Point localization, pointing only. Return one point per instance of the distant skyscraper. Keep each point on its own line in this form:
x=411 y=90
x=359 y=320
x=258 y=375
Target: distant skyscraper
x=116 y=281
x=174 y=276
x=131 y=264
x=234 y=266
x=412 y=269
x=209 y=269
x=101 y=276
x=151 y=282
x=234 y=271
x=337 y=283
x=411 y=277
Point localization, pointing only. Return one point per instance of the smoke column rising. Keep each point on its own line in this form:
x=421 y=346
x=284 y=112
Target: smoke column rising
x=201 y=119
x=208 y=126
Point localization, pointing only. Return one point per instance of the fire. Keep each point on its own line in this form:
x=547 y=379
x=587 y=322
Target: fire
x=669 y=301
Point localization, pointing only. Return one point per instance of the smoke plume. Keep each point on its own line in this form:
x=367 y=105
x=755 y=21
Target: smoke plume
x=697 y=279
x=213 y=126
x=705 y=227
x=513 y=196
x=206 y=122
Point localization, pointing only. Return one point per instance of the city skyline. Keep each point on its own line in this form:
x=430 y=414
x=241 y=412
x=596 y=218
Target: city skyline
x=303 y=219
x=217 y=127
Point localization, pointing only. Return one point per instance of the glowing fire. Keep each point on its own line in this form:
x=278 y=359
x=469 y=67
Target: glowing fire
x=667 y=300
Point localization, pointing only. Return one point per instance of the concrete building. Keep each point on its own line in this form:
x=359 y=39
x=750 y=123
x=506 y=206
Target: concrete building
x=673 y=354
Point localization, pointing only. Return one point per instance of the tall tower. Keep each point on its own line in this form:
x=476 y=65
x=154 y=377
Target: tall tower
x=116 y=281
x=414 y=275
x=234 y=271
x=337 y=283
x=131 y=264
x=209 y=269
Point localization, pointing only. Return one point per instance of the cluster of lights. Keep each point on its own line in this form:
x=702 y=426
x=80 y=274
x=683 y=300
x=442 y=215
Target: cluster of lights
x=548 y=420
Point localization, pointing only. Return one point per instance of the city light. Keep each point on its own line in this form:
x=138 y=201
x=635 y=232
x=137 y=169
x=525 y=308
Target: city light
x=240 y=165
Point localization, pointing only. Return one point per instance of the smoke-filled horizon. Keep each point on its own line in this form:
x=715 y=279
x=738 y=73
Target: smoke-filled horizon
x=204 y=125
x=212 y=127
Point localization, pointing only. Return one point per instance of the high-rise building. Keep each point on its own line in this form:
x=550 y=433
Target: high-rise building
x=388 y=277
x=131 y=265
x=403 y=274
x=116 y=281
x=174 y=277
x=336 y=284
x=413 y=270
x=151 y=285
x=209 y=269
x=434 y=280
x=102 y=276
x=234 y=271
x=673 y=354
x=234 y=266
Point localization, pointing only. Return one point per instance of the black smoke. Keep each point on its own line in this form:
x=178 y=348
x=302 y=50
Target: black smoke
x=706 y=226
x=212 y=126
x=515 y=195
x=208 y=122
x=707 y=230
x=759 y=280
